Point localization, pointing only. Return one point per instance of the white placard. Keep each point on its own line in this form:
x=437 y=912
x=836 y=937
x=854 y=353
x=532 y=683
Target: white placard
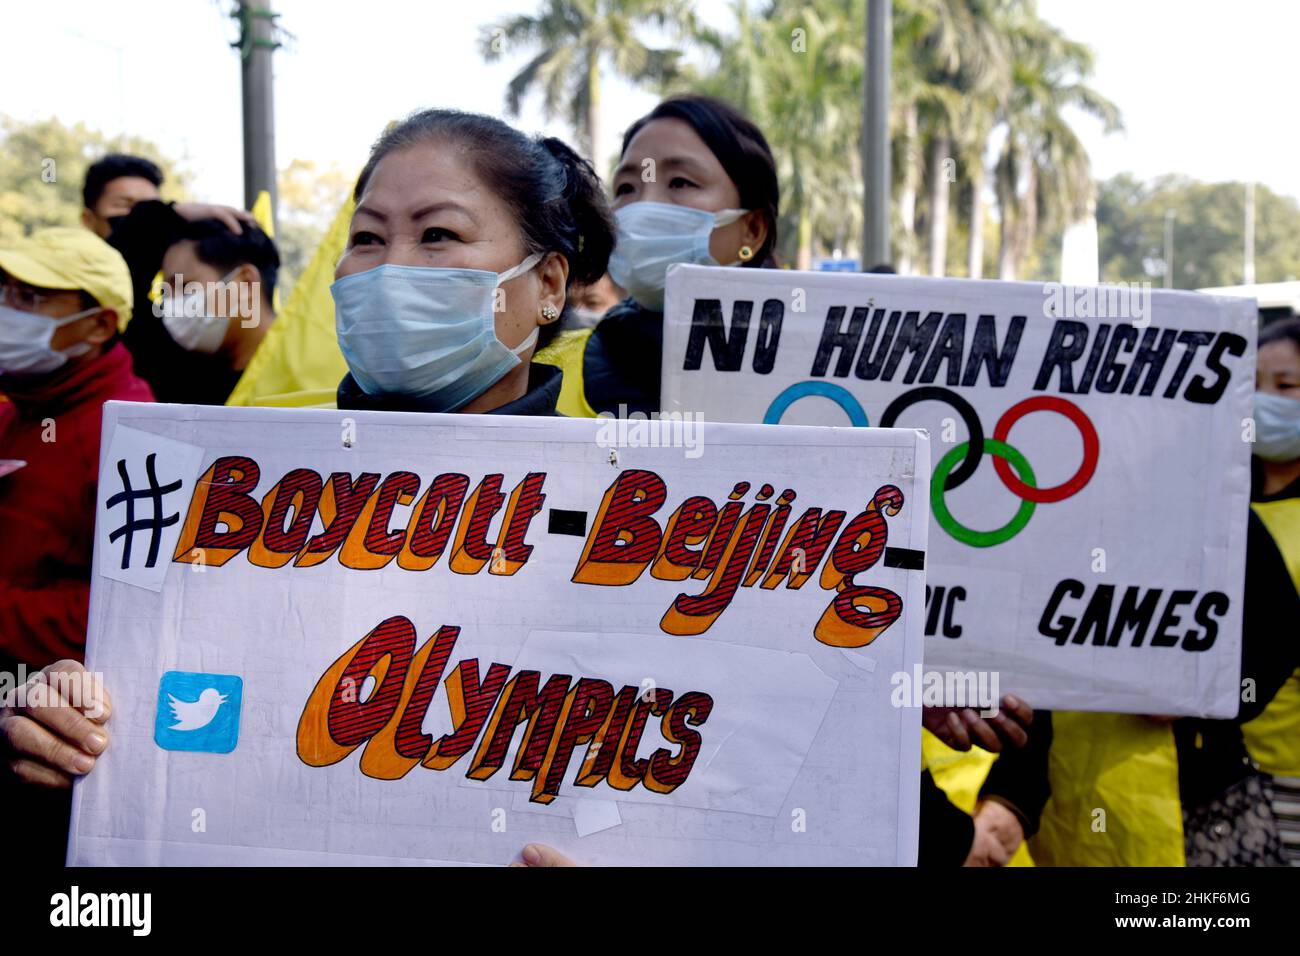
x=1091 y=459
x=402 y=638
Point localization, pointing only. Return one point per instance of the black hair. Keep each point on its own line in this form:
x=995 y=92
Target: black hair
x=739 y=146
x=1281 y=330
x=217 y=246
x=553 y=194
x=116 y=166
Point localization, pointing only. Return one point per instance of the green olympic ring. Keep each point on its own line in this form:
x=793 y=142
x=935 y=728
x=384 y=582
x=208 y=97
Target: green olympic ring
x=981 y=539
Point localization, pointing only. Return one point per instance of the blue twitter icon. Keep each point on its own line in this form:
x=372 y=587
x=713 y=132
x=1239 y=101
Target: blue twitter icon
x=198 y=712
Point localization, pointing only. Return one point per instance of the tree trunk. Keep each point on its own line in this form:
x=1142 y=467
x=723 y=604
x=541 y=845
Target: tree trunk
x=1007 y=248
x=1008 y=179
x=803 y=258
x=593 y=111
x=907 y=193
x=940 y=164
x=975 y=241
x=1029 y=219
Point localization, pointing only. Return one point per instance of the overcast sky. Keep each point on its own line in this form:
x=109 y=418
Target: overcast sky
x=1205 y=86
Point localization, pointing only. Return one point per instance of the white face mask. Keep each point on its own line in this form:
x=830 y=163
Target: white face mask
x=654 y=235
x=425 y=332
x=585 y=318
x=1277 y=427
x=25 y=341
x=188 y=322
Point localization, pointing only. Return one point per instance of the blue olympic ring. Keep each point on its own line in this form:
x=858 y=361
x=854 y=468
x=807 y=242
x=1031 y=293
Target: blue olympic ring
x=836 y=393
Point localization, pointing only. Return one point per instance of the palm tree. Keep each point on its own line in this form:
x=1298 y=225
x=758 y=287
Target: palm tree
x=981 y=116
x=950 y=65
x=1043 y=175
x=985 y=80
x=573 y=38
x=926 y=54
x=796 y=71
x=982 y=74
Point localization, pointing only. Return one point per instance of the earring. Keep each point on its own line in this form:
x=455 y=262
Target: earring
x=550 y=313
x=745 y=253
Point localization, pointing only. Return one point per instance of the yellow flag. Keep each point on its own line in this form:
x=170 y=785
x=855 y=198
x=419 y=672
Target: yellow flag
x=262 y=213
x=299 y=363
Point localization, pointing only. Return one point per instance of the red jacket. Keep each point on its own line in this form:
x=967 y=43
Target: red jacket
x=47 y=508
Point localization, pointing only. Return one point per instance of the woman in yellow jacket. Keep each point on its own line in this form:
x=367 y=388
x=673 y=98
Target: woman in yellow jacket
x=1128 y=790
x=1273 y=738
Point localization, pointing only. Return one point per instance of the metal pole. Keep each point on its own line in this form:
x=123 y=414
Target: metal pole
x=876 y=179
x=1169 y=249
x=1249 y=269
x=256 y=44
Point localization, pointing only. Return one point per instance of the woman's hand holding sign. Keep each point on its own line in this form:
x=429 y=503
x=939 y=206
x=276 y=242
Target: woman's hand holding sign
x=52 y=727
x=959 y=727
x=540 y=855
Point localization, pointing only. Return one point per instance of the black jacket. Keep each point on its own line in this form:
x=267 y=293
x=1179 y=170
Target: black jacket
x=621 y=363
x=947 y=831
x=543 y=392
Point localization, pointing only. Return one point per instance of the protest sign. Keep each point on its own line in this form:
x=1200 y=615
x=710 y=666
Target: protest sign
x=1091 y=459
x=364 y=637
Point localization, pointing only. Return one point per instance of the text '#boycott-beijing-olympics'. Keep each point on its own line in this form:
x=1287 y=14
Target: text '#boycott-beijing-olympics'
x=727 y=547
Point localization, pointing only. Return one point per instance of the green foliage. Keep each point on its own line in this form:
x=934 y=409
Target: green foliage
x=573 y=40
x=43 y=166
x=309 y=199
x=1208 y=232
x=962 y=69
x=796 y=71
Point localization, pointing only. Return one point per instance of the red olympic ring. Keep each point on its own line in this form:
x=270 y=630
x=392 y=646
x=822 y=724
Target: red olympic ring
x=1091 y=448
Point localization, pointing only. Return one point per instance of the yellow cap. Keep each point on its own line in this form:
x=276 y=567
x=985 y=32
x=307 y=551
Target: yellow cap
x=65 y=258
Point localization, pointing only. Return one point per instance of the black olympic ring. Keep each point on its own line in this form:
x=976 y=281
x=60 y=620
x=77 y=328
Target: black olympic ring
x=962 y=473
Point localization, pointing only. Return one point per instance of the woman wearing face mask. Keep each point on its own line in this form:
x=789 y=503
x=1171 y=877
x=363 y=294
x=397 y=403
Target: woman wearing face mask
x=466 y=238
x=696 y=184
x=455 y=215
x=1273 y=738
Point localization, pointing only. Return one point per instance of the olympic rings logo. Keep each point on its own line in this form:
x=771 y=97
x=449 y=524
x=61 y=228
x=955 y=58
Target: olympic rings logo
x=957 y=466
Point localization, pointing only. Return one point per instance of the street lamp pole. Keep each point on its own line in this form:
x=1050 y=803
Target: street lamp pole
x=257 y=32
x=1169 y=248
x=876 y=178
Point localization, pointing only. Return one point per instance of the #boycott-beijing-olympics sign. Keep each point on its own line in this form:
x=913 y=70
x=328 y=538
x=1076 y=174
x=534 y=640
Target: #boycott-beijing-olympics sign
x=1091 y=459
x=367 y=637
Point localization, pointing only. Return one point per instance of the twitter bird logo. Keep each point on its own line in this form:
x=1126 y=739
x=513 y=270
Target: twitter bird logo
x=198 y=712
x=192 y=716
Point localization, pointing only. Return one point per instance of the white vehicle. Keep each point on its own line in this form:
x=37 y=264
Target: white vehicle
x=1277 y=300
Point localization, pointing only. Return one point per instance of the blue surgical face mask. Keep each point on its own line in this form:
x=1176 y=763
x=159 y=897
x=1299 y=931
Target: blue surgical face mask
x=25 y=341
x=654 y=235
x=1277 y=427
x=425 y=332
